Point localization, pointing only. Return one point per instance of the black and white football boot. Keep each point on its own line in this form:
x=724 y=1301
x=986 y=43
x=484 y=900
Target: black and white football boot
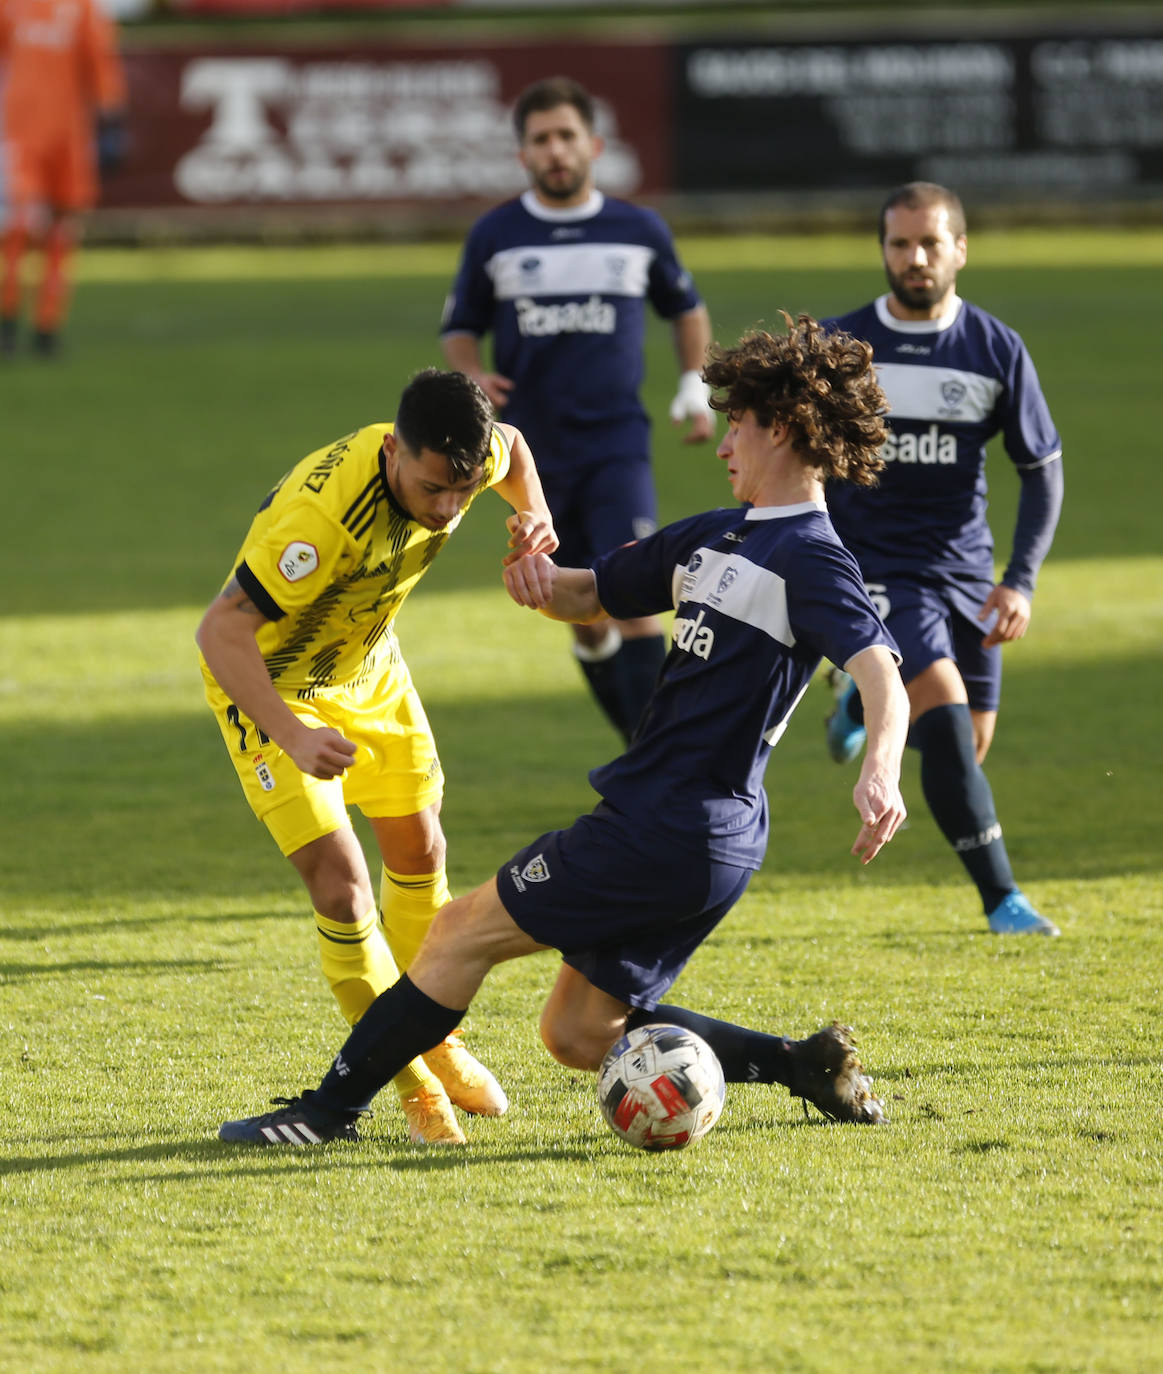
x=298 y=1121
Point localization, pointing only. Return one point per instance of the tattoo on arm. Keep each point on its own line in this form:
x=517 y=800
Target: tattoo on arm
x=234 y=594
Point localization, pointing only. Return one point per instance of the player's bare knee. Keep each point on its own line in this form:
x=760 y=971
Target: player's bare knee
x=412 y=844
x=571 y=1043
x=339 y=898
x=429 y=851
x=557 y=1040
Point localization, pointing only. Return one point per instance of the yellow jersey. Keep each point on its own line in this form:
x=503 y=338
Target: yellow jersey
x=329 y=559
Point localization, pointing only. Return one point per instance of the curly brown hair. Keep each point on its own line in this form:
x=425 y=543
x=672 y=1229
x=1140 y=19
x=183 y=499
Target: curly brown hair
x=820 y=383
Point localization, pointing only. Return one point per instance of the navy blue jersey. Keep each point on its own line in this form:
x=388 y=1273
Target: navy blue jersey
x=564 y=294
x=952 y=384
x=760 y=595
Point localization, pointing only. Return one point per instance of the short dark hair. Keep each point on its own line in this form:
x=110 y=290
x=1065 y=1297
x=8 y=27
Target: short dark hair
x=548 y=94
x=820 y=383
x=919 y=194
x=449 y=414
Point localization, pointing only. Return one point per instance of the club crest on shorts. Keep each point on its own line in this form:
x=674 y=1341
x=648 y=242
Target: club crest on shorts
x=298 y=559
x=262 y=771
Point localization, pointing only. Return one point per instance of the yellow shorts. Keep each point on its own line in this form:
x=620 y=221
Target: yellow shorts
x=396 y=770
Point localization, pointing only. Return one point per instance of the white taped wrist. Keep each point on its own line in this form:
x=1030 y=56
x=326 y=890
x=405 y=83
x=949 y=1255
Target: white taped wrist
x=692 y=397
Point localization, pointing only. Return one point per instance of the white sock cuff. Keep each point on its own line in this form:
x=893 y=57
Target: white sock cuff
x=604 y=649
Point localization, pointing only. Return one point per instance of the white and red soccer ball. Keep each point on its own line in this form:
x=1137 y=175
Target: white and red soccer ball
x=660 y=1087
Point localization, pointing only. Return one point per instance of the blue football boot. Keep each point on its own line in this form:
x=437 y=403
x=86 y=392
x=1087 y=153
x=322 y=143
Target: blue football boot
x=846 y=736
x=1015 y=916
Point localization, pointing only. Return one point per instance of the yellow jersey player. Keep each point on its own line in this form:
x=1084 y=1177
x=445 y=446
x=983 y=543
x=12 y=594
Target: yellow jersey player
x=316 y=705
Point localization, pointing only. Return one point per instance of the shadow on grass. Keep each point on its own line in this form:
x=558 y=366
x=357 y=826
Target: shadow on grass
x=17 y=973
x=186 y=914
x=225 y=1160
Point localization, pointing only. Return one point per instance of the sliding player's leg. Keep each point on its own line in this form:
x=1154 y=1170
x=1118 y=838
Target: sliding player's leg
x=400 y=793
x=468 y=937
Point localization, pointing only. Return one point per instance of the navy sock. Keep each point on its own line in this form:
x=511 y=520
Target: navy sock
x=604 y=682
x=959 y=796
x=400 y=1024
x=639 y=662
x=747 y=1056
x=623 y=681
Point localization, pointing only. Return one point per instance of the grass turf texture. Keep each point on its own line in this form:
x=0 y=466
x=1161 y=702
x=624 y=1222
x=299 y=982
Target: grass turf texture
x=159 y=972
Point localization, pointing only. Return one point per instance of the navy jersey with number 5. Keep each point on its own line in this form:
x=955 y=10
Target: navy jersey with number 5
x=760 y=595
x=952 y=384
x=564 y=294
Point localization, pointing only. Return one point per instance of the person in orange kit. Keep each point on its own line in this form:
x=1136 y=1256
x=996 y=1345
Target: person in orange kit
x=62 y=113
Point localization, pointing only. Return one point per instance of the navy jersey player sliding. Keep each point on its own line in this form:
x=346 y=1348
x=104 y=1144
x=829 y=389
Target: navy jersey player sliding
x=954 y=377
x=561 y=277
x=760 y=592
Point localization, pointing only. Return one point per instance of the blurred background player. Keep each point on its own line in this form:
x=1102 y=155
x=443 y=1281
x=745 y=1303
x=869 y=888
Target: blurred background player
x=954 y=377
x=316 y=705
x=62 y=111
x=560 y=278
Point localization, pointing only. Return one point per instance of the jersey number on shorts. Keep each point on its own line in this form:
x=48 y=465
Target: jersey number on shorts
x=233 y=717
x=878 y=595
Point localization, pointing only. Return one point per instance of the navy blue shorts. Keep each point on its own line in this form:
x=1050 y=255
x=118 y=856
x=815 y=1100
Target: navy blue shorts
x=931 y=621
x=600 y=507
x=626 y=908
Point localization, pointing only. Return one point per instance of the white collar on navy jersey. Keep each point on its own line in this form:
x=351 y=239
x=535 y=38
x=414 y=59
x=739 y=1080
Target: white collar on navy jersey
x=565 y=216
x=782 y=512
x=917 y=326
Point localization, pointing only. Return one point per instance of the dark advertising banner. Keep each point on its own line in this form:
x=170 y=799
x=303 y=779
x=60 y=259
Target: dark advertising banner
x=398 y=124
x=1075 y=114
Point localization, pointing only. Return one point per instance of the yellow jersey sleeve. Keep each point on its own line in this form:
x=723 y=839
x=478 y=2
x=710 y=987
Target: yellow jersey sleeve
x=499 y=459
x=296 y=557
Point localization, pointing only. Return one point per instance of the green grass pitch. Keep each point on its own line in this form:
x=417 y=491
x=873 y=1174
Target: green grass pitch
x=158 y=970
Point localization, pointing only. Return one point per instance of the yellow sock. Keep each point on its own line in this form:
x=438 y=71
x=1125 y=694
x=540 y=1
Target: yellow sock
x=359 y=966
x=408 y=902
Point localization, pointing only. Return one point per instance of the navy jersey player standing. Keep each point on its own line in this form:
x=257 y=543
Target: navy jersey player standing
x=561 y=277
x=760 y=592
x=954 y=377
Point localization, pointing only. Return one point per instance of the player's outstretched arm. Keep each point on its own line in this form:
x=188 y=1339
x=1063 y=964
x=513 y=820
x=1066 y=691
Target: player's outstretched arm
x=531 y=525
x=877 y=794
x=226 y=637
x=569 y=594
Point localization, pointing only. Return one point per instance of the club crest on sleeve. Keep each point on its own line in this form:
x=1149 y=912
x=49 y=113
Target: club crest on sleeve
x=536 y=870
x=298 y=560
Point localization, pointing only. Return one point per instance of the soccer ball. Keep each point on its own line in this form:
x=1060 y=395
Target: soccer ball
x=660 y=1087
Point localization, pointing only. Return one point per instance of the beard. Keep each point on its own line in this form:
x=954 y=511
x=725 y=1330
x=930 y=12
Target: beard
x=564 y=185
x=917 y=295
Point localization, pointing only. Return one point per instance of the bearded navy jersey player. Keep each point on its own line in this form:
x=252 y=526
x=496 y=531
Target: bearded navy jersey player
x=564 y=293
x=952 y=384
